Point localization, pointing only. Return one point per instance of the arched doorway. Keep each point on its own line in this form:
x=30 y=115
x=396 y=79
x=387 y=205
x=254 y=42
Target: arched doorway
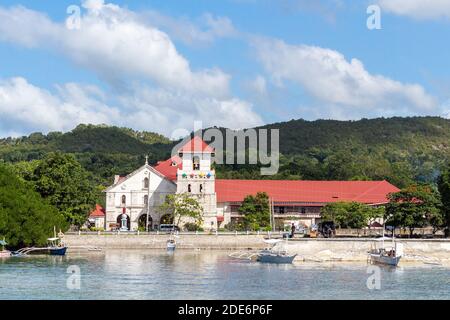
x=119 y=221
x=143 y=220
x=166 y=219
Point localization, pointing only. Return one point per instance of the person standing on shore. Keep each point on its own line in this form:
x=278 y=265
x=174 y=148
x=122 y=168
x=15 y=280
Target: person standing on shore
x=292 y=230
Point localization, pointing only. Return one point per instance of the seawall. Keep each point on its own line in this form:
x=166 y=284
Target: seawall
x=316 y=250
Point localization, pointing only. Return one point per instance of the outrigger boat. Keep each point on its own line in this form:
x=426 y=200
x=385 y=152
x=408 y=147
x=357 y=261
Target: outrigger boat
x=56 y=245
x=271 y=255
x=4 y=253
x=388 y=255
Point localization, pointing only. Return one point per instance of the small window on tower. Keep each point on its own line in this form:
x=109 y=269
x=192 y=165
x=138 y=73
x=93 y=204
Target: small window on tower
x=189 y=188
x=196 y=163
x=146 y=199
x=146 y=183
x=201 y=188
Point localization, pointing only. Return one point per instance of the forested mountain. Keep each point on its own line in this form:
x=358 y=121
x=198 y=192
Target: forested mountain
x=401 y=150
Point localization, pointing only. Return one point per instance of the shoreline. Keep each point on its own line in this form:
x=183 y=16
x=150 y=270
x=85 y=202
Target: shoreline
x=315 y=250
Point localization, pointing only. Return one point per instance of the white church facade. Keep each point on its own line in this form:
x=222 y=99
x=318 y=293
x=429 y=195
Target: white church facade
x=132 y=202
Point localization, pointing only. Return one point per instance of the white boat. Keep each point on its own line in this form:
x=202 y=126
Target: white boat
x=387 y=255
x=272 y=255
x=171 y=245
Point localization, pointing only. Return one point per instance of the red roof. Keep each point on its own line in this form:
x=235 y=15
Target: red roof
x=308 y=192
x=168 y=169
x=196 y=144
x=99 y=212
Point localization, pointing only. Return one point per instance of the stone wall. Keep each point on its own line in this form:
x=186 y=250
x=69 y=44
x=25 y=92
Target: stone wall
x=153 y=241
x=429 y=250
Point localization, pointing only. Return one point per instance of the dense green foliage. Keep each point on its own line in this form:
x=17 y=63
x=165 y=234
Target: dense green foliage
x=400 y=150
x=61 y=180
x=182 y=207
x=444 y=190
x=255 y=210
x=25 y=218
x=416 y=206
x=351 y=214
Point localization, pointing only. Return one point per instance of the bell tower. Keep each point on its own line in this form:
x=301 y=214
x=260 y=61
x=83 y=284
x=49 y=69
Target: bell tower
x=197 y=178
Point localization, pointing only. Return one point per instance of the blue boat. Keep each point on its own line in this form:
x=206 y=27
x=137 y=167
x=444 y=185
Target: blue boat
x=58 y=251
x=56 y=247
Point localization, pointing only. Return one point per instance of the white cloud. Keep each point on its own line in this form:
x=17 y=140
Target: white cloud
x=205 y=31
x=418 y=9
x=23 y=105
x=159 y=90
x=332 y=80
x=114 y=43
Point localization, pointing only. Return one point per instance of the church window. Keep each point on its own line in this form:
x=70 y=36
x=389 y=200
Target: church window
x=146 y=183
x=196 y=163
x=189 y=188
x=201 y=188
x=146 y=199
x=124 y=199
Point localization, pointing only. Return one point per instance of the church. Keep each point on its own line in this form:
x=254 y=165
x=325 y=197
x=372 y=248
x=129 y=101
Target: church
x=132 y=201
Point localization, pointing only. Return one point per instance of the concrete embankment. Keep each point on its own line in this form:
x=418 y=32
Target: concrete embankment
x=154 y=241
x=316 y=250
x=428 y=251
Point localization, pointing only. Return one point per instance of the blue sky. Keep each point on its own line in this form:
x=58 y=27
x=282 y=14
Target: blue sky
x=161 y=65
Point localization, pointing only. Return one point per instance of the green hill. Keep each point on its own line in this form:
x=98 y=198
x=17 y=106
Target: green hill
x=401 y=150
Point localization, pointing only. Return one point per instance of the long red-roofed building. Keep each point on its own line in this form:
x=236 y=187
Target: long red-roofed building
x=190 y=172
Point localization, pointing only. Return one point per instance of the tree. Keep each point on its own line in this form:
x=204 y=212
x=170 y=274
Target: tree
x=444 y=190
x=25 y=218
x=414 y=207
x=61 y=180
x=350 y=214
x=180 y=206
x=256 y=212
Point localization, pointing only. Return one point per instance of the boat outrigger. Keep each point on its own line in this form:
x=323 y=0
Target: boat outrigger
x=387 y=255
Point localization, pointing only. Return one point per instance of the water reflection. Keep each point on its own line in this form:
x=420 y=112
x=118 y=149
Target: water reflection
x=128 y=274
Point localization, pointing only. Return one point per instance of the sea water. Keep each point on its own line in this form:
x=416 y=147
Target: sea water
x=150 y=274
